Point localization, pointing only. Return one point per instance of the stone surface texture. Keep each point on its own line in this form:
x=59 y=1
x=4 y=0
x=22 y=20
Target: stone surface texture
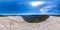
x=18 y=23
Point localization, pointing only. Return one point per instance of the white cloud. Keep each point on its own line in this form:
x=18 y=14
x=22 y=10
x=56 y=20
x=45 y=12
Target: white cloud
x=36 y=3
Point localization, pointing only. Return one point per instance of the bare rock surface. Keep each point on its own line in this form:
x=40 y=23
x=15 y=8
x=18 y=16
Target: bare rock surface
x=18 y=23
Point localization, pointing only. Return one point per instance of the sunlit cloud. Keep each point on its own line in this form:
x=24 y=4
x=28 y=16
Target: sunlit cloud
x=36 y=3
x=45 y=10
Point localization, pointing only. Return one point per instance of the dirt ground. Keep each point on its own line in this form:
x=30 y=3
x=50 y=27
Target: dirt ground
x=18 y=23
